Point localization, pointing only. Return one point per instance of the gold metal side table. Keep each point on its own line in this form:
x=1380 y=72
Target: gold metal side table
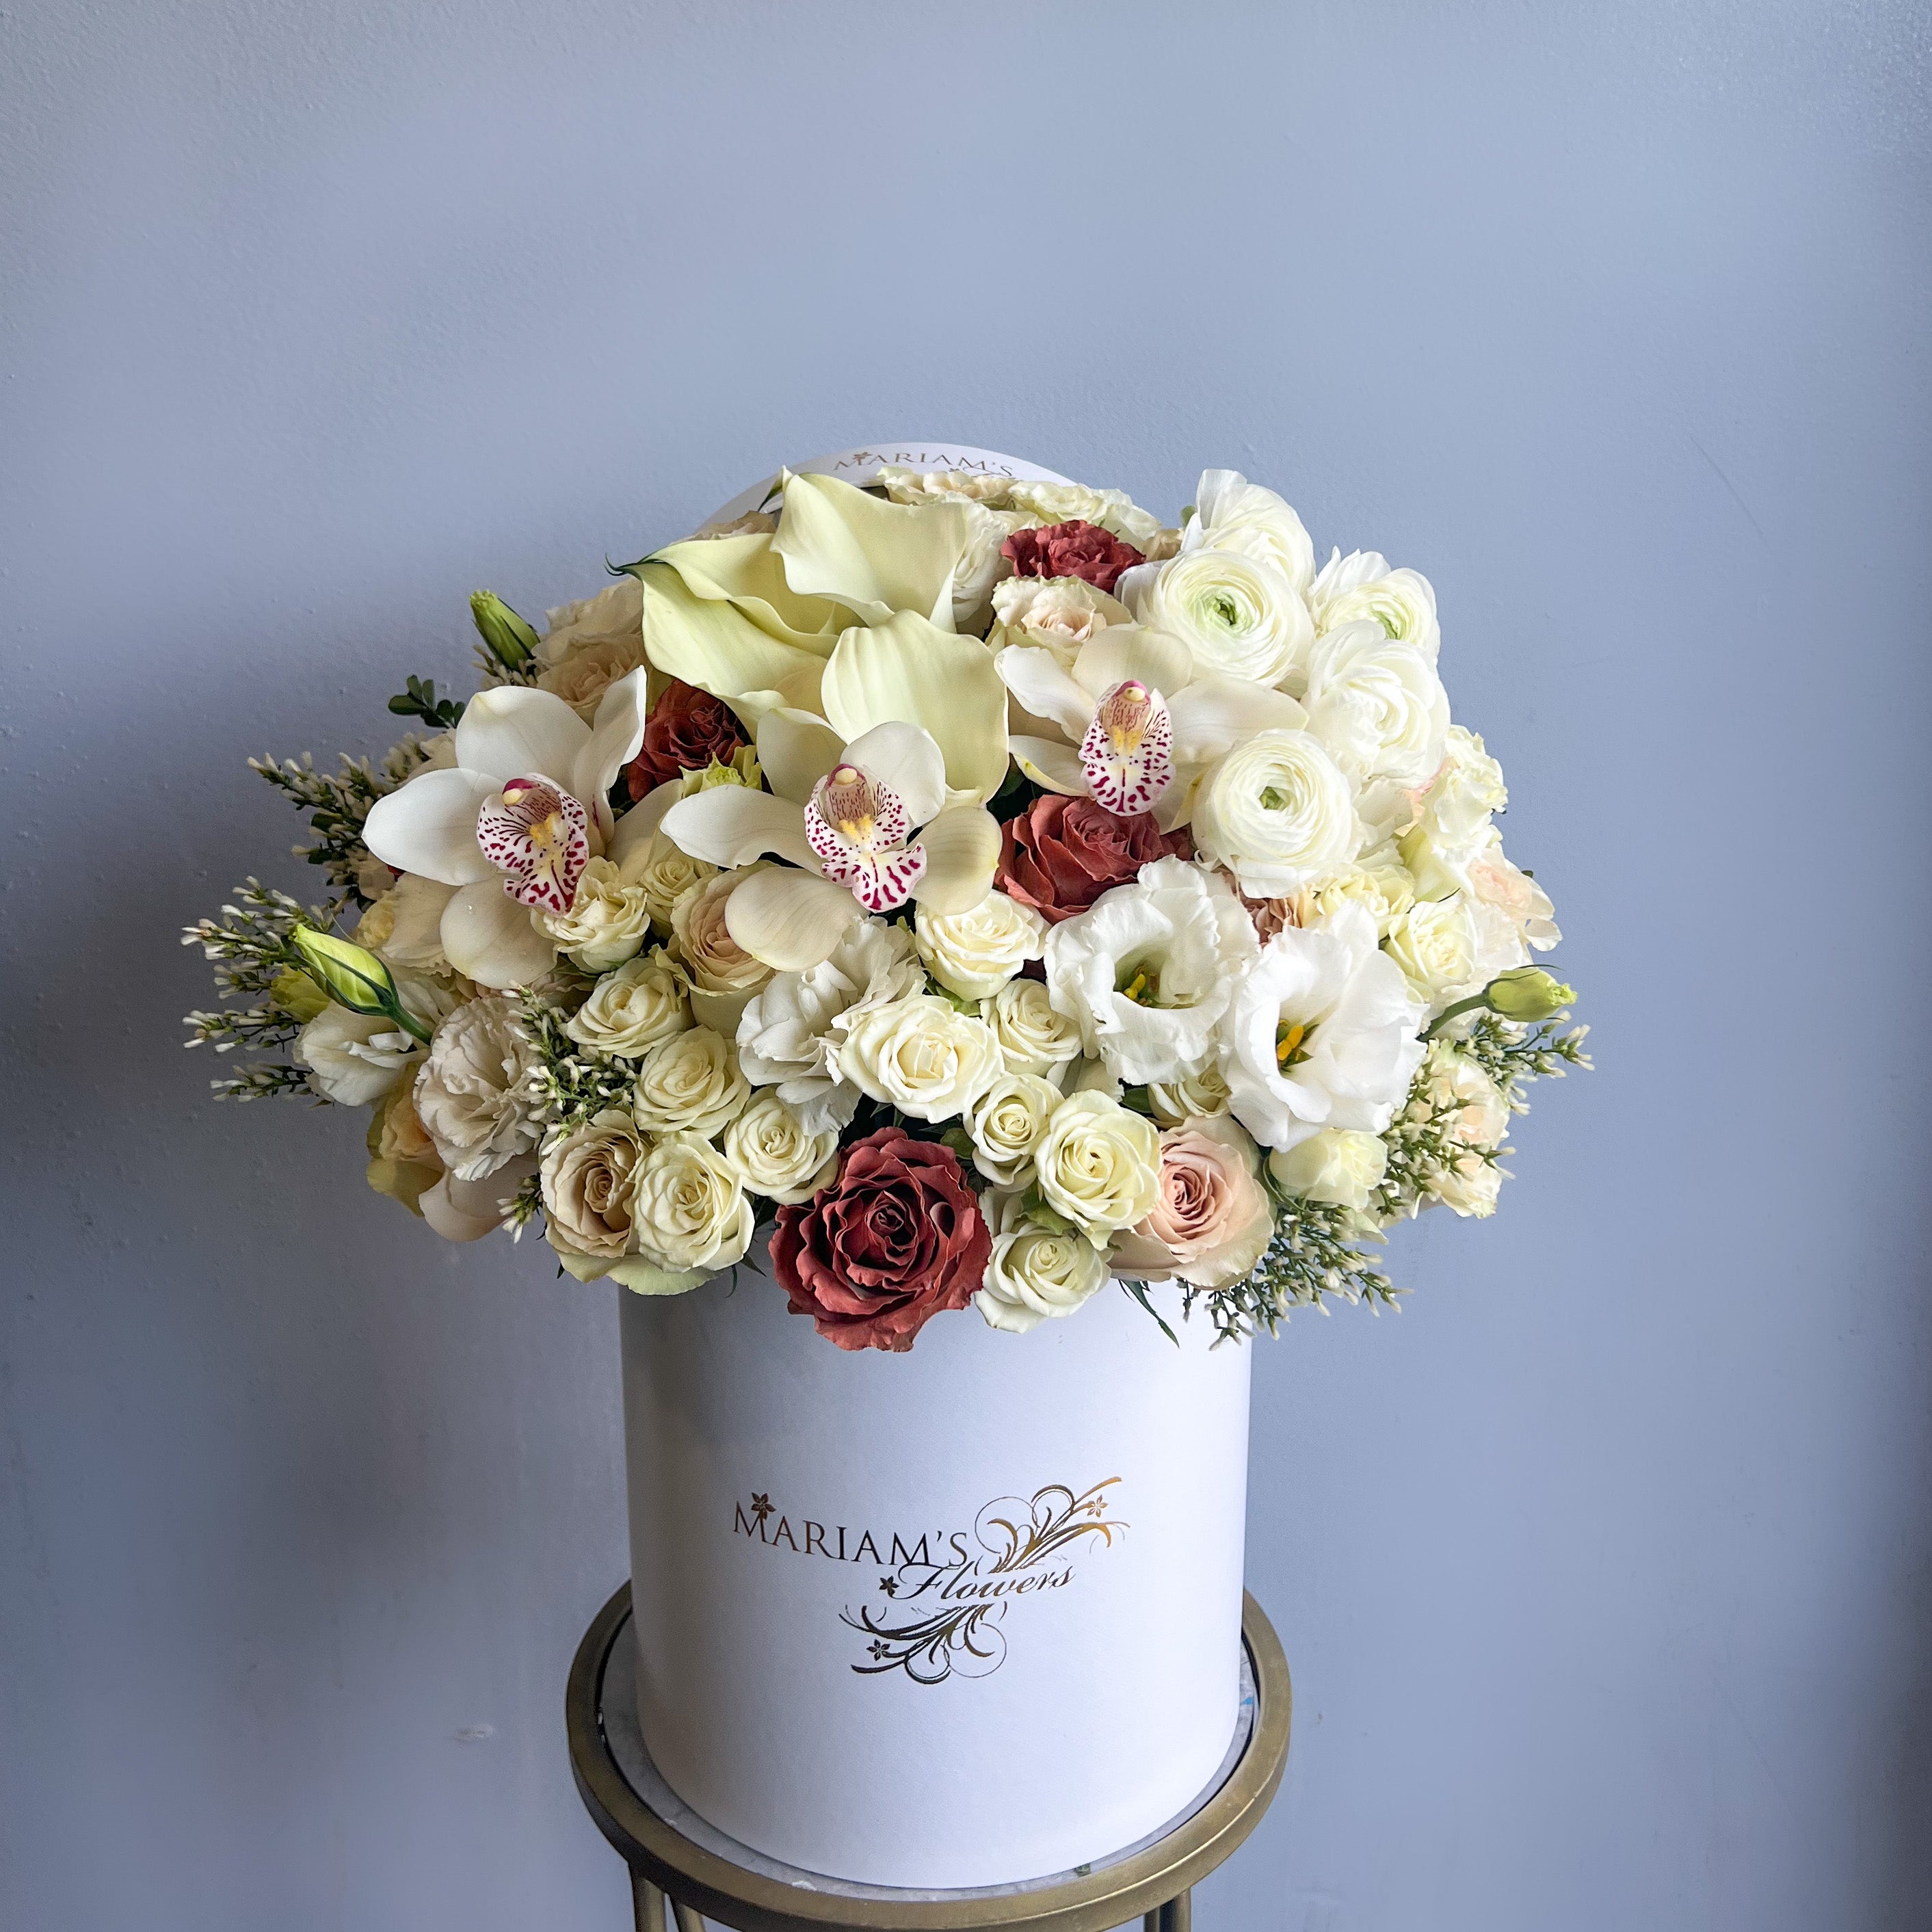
x=679 y=1860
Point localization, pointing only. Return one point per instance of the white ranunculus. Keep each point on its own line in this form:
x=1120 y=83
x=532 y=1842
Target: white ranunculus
x=1007 y=1123
x=1194 y=1097
x=775 y=1154
x=1230 y=513
x=690 y=1208
x=355 y=1059
x=974 y=954
x=921 y=1055
x=1098 y=1165
x=691 y=1083
x=608 y=920
x=614 y=615
x=1238 y=616
x=1362 y=585
x=1035 y=1273
x=1074 y=502
x=1377 y=704
x=1278 y=812
x=1057 y=613
x=472 y=1095
x=724 y=978
x=1033 y=1038
x=1148 y=970
x=1323 y=1034
x=665 y=873
x=1342 y=1165
x=633 y=1009
x=589 y=1179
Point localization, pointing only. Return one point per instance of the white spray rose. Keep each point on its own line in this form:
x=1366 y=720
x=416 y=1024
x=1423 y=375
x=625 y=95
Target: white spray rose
x=472 y=1095
x=921 y=1055
x=1231 y=513
x=775 y=1155
x=1240 y=617
x=615 y=615
x=1476 y=1112
x=724 y=978
x=1278 y=812
x=690 y=1084
x=1149 y=968
x=1074 y=502
x=608 y=920
x=631 y=1009
x=974 y=954
x=588 y=1179
x=1362 y=585
x=690 y=1208
x=1342 y=1165
x=1451 y=948
x=1008 y=1123
x=1057 y=613
x=1033 y=1038
x=984 y=563
x=666 y=873
x=1199 y=1096
x=1098 y=1165
x=943 y=486
x=1035 y=1273
x=1380 y=884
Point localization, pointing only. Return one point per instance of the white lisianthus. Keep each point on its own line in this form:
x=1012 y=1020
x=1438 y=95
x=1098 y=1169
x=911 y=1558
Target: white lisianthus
x=588 y=1178
x=355 y=1059
x=1230 y=513
x=1007 y=1123
x=1323 y=1034
x=776 y=1155
x=1377 y=704
x=724 y=978
x=633 y=1009
x=608 y=920
x=974 y=954
x=921 y=1055
x=1035 y=1273
x=1033 y=1038
x=689 y=1207
x=690 y=1084
x=1149 y=968
x=1342 y=1165
x=1278 y=812
x=614 y=615
x=1194 y=1097
x=1057 y=613
x=1362 y=585
x=1098 y=1165
x=791 y=1032
x=1238 y=616
x=1074 y=502
x=665 y=873
x=473 y=1094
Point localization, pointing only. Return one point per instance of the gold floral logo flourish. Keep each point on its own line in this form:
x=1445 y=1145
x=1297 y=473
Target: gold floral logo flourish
x=945 y=1618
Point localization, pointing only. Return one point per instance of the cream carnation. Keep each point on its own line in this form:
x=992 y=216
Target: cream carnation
x=1239 y=617
x=589 y=1180
x=1473 y=1106
x=1344 y=1166
x=633 y=1009
x=1032 y=1037
x=1007 y=1123
x=1278 y=812
x=690 y=1208
x=1469 y=1185
x=775 y=1155
x=690 y=1084
x=974 y=954
x=724 y=978
x=1035 y=1273
x=943 y=486
x=473 y=1093
x=1149 y=968
x=921 y=1055
x=1098 y=1165
x=1212 y=1219
x=608 y=920
x=1361 y=585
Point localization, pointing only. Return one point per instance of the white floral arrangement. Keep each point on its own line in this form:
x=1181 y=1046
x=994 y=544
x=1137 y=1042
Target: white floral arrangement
x=985 y=889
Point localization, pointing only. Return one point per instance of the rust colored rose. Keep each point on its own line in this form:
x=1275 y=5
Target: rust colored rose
x=686 y=730
x=1071 y=549
x=1061 y=854
x=896 y=1239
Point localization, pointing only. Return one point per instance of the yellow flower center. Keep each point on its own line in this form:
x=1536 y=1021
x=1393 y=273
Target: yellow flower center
x=1287 y=1043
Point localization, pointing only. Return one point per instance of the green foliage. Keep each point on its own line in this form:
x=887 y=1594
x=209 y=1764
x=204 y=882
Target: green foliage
x=1317 y=1252
x=338 y=802
x=418 y=699
x=571 y=1083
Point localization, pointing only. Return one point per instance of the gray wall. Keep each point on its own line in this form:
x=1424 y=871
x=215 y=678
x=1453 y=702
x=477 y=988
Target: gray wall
x=1604 y=1571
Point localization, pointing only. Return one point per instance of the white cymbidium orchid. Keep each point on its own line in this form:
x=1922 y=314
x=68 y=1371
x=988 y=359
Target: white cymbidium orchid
x=513 y=825
x=845 y=814
x=1140 y=726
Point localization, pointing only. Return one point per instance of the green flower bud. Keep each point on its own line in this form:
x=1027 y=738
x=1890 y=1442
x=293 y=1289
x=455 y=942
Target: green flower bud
x=296 y=995
x=1528 y=993
x=354 y=977
x=505 y=636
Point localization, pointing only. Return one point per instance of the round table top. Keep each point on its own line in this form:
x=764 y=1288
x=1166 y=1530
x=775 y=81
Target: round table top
x=662 y=1839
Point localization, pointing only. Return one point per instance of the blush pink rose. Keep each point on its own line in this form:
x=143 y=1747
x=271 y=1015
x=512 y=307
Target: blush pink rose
x=1213 y=1218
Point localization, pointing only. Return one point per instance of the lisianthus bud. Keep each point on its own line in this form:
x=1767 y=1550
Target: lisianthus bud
x=1528 y=993
x=353 y=977
x=505 y=636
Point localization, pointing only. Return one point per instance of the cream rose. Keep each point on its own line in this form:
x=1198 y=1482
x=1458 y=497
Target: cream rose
x=690 y=1084
x=692 y=1213
x=921 y=1055
x=1342 y=1165
x=1035 y=1273
x=582 y=679
x=974 y=954
x=775 y=1155
x=1007 y=1123
x=1438 y=944
x=1057 y=613
x=633 y=1009
x=1194 y=1096
x=1361 y=585
x=1032 y=1037
x=473 y=1093
x=1212 y=1219
x=608 y=921
x=724 y=978
x=1240 y=617
x=614 y=615
x=589 y=1180
x=1278 y=812
x=666 y=874
x=1098 y=1165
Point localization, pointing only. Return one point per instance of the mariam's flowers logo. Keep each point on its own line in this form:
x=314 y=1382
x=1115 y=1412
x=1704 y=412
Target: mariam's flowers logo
x=949 y=1590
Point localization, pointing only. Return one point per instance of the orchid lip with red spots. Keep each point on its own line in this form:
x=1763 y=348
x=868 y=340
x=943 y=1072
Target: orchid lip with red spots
x=856 y=827
x=1126 y=756
x=538 y=836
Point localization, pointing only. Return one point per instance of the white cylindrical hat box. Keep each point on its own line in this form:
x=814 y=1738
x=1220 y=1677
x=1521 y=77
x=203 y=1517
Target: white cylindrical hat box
x=964 y=1616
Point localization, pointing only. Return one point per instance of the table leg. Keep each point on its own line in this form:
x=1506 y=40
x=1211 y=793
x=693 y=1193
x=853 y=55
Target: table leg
x=1176 y=1916
x=687 y=1920
x=647 y=1904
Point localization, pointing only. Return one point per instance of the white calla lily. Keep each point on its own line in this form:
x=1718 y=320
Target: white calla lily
x=513 y=823
x=875 y=558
